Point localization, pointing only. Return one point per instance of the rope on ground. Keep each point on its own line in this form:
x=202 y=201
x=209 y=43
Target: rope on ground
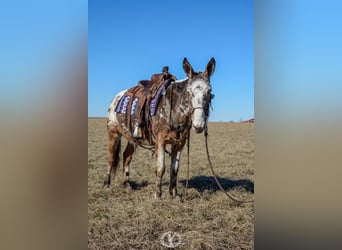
x=214 y=174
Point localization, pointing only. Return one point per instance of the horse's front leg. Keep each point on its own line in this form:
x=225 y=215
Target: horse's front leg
x=160 y=154
x=174 y=167
x=175 y=158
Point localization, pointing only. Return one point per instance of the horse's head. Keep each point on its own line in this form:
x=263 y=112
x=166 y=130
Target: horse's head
x=199 y=89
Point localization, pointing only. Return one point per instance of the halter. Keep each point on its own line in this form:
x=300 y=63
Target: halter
x=206 y=108
x=193 y=109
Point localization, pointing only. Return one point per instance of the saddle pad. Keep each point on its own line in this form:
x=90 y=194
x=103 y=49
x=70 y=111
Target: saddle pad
x=134 y=104
x=161 y=91
x=155 y=100
x=122 y=105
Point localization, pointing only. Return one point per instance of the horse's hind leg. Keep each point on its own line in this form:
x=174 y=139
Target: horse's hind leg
x=127 y=158
x=114 y=144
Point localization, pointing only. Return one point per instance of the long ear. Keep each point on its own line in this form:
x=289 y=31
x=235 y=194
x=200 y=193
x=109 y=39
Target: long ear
x=209 y=70
x=187 y=68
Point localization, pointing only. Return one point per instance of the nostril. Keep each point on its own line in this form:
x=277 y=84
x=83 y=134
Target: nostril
x=196 y=126
x=198 y=129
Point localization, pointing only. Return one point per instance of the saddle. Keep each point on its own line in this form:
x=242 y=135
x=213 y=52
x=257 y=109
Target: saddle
x=141 y=102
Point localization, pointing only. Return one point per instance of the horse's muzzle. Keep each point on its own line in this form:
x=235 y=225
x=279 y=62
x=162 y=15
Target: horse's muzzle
x=198 y=129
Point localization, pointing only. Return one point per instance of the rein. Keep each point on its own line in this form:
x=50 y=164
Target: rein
x=187 y=169
x=214 y=174
x=211 y=167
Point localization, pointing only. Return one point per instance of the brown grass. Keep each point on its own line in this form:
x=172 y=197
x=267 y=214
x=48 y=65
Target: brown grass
x=121 y=219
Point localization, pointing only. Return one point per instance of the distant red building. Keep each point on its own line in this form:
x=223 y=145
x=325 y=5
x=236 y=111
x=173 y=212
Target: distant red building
x=249 y=121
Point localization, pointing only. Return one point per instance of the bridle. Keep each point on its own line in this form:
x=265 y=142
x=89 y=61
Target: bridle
x=193 y=109
x=206 y=108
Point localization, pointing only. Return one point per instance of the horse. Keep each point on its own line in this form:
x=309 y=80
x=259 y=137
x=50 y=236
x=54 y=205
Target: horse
x=185 y=104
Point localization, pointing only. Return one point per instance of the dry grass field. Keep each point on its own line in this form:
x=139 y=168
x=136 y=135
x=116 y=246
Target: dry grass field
x=206 y=219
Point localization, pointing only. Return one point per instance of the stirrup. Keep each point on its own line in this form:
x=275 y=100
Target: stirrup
x=137 y=131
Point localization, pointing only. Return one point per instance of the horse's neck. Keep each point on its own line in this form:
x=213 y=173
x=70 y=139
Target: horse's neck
x=180 y=103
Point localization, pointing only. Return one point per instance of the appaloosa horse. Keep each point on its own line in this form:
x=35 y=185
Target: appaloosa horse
x=185 y=104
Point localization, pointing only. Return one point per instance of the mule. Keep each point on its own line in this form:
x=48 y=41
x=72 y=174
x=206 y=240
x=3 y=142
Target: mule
x=185 y=104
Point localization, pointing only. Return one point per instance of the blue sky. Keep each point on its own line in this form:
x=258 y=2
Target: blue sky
x=37 y=37
x=131 y=40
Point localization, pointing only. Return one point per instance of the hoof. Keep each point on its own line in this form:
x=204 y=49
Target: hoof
x=157 y=196
x=106 y=184
x=173 y=193
x=176 y=197
x=179 y=198
x=127 y=186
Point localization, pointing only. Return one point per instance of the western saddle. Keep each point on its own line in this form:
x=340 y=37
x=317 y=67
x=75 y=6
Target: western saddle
x=138 y=108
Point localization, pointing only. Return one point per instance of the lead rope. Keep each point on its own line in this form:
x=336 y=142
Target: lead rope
x=187 y=170
x=214 y=174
